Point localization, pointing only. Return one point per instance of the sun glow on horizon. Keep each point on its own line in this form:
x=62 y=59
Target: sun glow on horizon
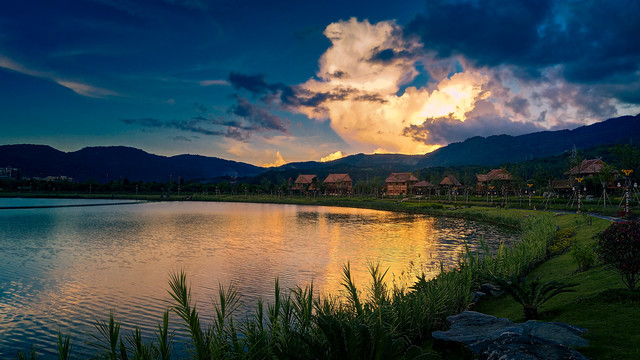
x=333 y=156
x=278 y=162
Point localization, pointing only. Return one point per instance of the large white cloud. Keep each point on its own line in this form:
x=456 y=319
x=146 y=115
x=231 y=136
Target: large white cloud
x=367 y=66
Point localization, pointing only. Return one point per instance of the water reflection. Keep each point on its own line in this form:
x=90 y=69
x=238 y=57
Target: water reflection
x=61 y=269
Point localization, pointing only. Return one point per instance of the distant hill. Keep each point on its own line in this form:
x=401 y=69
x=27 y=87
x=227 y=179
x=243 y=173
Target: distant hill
x=490 y=151
x=103 y=164
x=495 y=150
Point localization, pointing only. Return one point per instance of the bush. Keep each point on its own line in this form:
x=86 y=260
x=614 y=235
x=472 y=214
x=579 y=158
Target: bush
x=531 y=295
x=619 y=247
x=561 y=242
x=583 y=256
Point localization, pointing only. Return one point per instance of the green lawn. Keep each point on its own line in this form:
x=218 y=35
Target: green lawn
x=601 y=303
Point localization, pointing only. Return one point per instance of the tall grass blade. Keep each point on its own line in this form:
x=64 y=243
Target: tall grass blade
x=181 y=293
x=165 y=345
x=64 y=347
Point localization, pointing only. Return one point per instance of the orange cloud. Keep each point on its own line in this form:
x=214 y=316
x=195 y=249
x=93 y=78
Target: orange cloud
x=278 y=162
x=366 y=66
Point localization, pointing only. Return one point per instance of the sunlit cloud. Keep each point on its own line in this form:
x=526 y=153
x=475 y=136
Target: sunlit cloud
x=333 y=156
x=370 y=63
x=366 y=88
x=278 y=162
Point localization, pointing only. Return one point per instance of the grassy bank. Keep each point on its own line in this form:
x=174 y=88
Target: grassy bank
x=600 y=304
x=376 y=321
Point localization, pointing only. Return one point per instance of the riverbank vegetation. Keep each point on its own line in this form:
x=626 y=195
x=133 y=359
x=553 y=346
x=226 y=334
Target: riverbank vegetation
x=380 y=320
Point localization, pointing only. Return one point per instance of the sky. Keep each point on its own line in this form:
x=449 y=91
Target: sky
x=272 y=82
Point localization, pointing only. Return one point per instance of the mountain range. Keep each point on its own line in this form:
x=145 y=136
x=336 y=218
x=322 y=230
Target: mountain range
x=103 y=164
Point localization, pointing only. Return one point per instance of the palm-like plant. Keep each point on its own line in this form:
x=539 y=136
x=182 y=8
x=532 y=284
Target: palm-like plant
x=531 y=295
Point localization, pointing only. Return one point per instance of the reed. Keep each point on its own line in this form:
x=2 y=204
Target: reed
x=64 y=347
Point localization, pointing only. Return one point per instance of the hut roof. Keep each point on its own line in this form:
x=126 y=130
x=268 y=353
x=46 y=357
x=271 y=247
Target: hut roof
x=450 y=180
x=588 y=167
x=424 y=184
x=401 y=177
x=337 y=178
x=305 y=179
x=495 y=174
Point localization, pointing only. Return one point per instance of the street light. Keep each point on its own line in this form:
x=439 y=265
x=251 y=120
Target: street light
x=579 y=180
x=627 y=182
x=529 y=185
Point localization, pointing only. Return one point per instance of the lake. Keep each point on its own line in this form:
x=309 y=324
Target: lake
x=61 y=269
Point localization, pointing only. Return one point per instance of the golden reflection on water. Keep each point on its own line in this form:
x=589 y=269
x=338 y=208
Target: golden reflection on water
x=65 y=268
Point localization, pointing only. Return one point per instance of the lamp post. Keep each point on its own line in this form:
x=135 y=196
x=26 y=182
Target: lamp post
x=530 y=185
x=579 y=180
x=627 y=182
x=491 y=191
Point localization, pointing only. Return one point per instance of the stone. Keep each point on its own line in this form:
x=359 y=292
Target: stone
x=490 y=289
x=499 y=338
x=476 y=296
x=510 y=346
x=558 y=332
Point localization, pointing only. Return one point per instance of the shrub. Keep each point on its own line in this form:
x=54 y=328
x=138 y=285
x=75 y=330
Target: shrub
x=531 y=295
x=619 y=248
x=561 y=242
x=583 y=256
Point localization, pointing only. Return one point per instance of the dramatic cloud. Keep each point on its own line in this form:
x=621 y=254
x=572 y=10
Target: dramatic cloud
x=358 y=88
x=375 y=61
x=366 y=83
x=333 y=156
x=595 y=42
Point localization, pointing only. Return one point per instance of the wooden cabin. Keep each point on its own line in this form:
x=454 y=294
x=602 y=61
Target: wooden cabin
x=338 y=184
x=449 y=182
x=587 y=168
x=400 y=183
x=423 y=188
x=500 y=179
x=306 y=183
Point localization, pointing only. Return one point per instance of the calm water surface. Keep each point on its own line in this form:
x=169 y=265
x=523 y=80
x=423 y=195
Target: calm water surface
x=61 y=269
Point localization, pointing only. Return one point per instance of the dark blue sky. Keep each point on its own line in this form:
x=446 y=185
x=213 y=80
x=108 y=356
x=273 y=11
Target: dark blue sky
x=267 y=82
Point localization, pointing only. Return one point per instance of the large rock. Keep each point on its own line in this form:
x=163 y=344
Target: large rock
x=499 y=338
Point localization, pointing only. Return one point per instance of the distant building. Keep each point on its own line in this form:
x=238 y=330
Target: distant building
x=305 y=183
x=60 y=178
x=10 y=173
x=450 y=183
x=400 y=183
x=587 y=168
x=500 y=179
x=423 y=188
x=338 y=184
x=450 y=180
